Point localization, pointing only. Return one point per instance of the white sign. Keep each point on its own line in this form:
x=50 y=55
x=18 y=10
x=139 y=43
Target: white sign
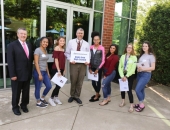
x=59 y=80
x=93 y=76
x=123 y=85
x=80 y=56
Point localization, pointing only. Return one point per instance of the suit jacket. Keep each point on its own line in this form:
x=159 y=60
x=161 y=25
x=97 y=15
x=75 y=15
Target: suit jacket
x=18 y=63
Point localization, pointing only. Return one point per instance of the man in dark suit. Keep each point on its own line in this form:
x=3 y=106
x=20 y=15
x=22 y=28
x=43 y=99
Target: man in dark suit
x=19 y=58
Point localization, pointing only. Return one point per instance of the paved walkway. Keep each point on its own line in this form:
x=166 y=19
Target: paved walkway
x=90 y=116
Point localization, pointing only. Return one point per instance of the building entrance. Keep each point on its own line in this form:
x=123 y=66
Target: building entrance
x=63 y=19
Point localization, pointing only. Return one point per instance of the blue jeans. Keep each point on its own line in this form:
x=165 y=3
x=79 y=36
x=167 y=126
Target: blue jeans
x=38 y=83
x=106 y=84
x=142 y=79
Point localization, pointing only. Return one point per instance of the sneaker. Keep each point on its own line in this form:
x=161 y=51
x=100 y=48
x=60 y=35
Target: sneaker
x=57 y=100
x=51 y=102
x=42 y=105
x=44 y=101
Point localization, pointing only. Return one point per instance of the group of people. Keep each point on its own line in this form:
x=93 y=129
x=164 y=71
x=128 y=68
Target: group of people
x=126 y=68
x=20 y=58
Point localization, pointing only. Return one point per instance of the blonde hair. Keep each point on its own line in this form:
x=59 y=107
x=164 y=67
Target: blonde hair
x=132 y=52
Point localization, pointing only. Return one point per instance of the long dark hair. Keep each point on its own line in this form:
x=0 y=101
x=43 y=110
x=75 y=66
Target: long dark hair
x=150 y=50
x=116 y=50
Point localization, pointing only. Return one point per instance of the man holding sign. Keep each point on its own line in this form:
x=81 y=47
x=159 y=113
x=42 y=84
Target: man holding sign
x=78 y=64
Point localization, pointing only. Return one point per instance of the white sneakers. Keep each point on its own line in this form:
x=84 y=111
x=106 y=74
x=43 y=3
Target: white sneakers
x=56 y=99
x=52 y=101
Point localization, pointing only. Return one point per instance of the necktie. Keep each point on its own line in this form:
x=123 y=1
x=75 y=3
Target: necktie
x=78 y=46
x=25 y=49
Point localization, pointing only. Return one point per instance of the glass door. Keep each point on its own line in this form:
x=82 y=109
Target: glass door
x=54 y=22
x=58 y=17
x=63 y=19
x=82 y=18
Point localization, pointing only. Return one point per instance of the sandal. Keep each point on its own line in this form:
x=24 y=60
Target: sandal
x=139 y=109
x=109 y=100
x=136 y=106
x=103 y=103
x=130 y=109
x=122 y=104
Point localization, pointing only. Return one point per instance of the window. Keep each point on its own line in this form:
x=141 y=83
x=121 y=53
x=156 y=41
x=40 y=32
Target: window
x=124 y=23
x=85 y=3
x=98 y=5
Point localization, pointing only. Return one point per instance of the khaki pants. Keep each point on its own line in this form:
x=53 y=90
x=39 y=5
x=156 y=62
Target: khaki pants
x=77 y=73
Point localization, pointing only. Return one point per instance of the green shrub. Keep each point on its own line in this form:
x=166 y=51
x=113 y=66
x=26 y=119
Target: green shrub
x=156 y=29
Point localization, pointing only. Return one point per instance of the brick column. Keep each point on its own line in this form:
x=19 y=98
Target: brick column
x=108 y=23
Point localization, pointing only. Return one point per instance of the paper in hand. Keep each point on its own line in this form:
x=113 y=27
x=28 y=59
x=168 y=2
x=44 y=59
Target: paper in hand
x=93 y=76
x=59 y=80
x=123 y=85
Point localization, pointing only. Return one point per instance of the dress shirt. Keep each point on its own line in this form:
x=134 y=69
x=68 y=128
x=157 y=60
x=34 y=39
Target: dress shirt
x=72 y=46
x=23 y=47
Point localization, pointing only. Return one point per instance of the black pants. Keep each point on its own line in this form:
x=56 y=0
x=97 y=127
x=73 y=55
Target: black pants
x=130 y=83
x=97 y=84
x=57 y=88
x=17 y=88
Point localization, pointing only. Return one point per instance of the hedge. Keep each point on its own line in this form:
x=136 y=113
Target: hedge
x=156 y=29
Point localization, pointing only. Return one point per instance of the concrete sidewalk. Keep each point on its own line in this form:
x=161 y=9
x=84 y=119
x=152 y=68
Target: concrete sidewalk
x=90 y=116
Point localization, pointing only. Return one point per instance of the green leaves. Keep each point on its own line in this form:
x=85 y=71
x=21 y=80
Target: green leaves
x=156 y=29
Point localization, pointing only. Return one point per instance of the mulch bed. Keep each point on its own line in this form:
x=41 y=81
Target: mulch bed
x=152 y=83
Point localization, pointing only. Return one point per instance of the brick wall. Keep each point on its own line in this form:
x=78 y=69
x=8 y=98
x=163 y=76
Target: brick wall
x=108 y=23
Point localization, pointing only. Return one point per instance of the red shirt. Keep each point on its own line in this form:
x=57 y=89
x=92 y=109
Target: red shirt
x=61 y=59
x=110 y=64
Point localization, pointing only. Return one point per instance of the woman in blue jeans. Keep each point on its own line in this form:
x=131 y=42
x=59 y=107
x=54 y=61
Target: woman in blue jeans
x=145 y=66
x=109 y=67
x=41 y=73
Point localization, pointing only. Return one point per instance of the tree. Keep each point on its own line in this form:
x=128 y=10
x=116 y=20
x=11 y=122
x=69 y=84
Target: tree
x=156 y=29
x=143 y=8
x=22 y=9
x=29 y=10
